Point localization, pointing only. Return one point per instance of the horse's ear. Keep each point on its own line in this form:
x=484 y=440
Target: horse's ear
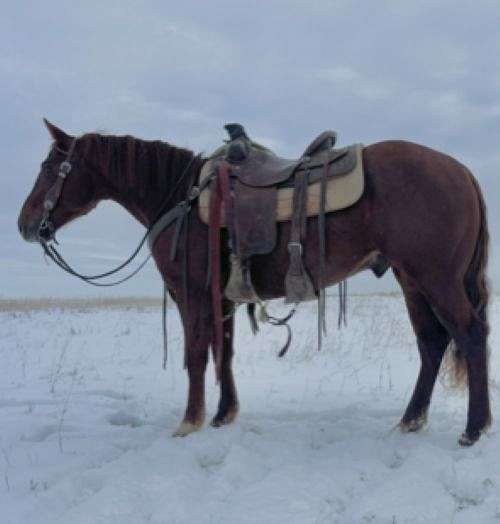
x=62 y=139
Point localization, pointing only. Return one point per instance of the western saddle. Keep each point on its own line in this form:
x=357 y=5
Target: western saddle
x=251 y=176
x=246 y=180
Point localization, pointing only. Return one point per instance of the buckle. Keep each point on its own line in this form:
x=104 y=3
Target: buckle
x=294 y=245
x=46 y=230
x=64 y=169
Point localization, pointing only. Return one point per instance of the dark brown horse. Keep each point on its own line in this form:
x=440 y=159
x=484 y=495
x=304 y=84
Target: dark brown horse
x=422 y=211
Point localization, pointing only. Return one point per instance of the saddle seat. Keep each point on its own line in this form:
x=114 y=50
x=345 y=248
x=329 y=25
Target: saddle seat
x=257 y=166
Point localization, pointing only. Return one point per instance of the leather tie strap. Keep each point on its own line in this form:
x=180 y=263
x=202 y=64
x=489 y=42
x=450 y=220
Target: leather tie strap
x=322 y=256
x=220 y=194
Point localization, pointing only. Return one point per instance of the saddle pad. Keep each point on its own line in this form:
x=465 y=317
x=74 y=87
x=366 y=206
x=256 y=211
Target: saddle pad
x=341 y=192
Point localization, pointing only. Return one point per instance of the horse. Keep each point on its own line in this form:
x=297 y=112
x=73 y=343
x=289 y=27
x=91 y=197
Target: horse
x=422 y=213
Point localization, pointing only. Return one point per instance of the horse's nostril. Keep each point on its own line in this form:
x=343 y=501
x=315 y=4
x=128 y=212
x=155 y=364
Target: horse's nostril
x=20 y=226
x=24 y=231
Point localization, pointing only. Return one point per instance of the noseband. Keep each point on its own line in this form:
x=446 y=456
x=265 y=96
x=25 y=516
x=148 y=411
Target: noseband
x=46 y=229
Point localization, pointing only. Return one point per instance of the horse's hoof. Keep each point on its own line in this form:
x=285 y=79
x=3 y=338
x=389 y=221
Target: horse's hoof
x=224 y=420
x=412 y=426
x=467 y=440
x=186 y=428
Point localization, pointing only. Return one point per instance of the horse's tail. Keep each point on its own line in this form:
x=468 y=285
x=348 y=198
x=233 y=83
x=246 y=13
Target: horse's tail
x=476 y=287
x=476 y=282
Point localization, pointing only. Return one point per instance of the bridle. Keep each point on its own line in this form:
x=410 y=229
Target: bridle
x=46 y=229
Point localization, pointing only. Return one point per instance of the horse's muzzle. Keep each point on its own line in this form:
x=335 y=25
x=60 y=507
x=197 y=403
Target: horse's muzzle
x=29 y=229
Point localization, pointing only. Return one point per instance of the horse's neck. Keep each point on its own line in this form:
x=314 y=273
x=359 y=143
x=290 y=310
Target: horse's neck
x=142 y=175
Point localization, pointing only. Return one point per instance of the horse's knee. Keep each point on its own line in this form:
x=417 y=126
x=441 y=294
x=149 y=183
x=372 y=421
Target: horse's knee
x=196 y=359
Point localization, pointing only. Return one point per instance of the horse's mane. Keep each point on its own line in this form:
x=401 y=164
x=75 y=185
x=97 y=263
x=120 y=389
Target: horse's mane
x=133 y=164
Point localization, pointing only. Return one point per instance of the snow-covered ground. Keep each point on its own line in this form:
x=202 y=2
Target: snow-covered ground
x=87 y=414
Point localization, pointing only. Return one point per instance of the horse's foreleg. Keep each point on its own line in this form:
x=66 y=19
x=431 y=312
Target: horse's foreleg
x=196 y=322
x=228 y=403
x=432 y=341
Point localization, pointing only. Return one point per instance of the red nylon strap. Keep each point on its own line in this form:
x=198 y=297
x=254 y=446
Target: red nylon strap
x=220 y=194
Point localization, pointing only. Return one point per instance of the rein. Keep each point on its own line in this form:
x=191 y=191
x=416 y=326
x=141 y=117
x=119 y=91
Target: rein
x=46 y=230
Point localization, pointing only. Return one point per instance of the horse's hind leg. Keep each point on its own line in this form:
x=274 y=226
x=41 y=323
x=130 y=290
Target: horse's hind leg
x=228 y=403
x=432 y=341
x=470 y=334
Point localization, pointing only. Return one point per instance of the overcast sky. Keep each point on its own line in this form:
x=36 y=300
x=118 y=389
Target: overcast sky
x=425 y=71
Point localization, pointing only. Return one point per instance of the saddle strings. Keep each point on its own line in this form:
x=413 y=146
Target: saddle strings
x=342 y=319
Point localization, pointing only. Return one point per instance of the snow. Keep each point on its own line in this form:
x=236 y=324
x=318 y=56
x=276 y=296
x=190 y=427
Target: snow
x=88 y=413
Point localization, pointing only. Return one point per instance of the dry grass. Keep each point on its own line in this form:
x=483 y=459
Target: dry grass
x=34 y=304
x=37 y=304
x=8 y=305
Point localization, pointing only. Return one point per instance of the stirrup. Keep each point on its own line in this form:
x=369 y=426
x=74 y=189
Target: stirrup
x=239 y=288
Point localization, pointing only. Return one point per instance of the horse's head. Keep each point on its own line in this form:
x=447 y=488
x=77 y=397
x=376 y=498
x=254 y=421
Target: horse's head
x=64 y=189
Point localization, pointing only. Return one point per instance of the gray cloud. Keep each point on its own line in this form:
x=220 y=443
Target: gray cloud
x=423 y=71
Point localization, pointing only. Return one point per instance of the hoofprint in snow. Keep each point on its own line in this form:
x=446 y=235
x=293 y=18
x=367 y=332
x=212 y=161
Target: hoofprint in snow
x=87 y=417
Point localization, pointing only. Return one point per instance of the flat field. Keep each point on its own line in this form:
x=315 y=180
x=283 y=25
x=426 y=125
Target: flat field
x=88 y=413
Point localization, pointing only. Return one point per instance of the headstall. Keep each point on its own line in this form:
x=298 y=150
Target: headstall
x=46 y=229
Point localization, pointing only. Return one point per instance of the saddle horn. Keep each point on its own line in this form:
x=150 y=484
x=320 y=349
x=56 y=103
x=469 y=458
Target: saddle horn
x=235 y=131
x=238 y=143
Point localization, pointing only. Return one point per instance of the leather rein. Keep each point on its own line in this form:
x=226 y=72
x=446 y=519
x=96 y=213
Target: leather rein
x=46 y=229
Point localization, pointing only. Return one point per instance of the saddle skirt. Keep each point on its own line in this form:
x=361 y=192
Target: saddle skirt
x=343 y=188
